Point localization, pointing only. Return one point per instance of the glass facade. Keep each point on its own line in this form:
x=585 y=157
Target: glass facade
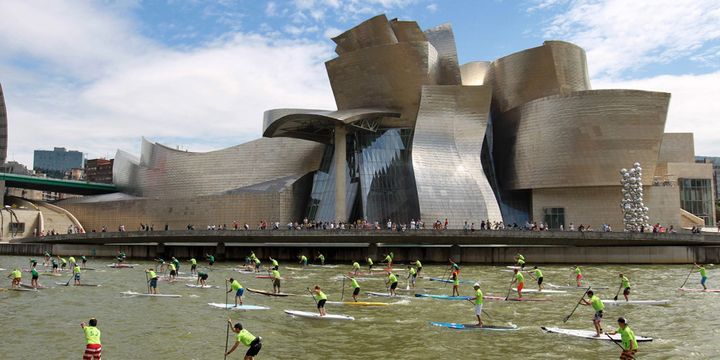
x=554 y=217
x=380 y=183
x=696 y=198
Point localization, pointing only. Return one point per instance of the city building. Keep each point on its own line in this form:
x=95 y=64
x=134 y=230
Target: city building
x=99 y=170
x=715 y=161
x=416 y=135
x=55 y=163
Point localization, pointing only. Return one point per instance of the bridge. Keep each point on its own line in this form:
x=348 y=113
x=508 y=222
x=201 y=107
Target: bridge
x=56 y=185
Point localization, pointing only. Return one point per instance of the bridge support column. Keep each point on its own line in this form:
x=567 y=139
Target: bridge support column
x=456 y=253
x=220 y=251
x=372 y=252
x=160 y=250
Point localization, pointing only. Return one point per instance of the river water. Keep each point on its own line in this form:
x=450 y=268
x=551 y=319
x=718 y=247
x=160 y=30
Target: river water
x=45 y=324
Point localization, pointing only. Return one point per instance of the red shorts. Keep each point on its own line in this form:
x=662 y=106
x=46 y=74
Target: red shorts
x=92 y=352
x=579 y=276
x=521 y=286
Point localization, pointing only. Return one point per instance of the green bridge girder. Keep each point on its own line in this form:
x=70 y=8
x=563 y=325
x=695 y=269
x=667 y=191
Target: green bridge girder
x=56 y=185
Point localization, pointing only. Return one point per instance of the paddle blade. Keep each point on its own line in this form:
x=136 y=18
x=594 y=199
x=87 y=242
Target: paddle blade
x=566 y=319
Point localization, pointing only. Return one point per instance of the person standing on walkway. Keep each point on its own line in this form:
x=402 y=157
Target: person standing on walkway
x=629 y=343
x=598 y=306
x=93 y=348
x=246 y=338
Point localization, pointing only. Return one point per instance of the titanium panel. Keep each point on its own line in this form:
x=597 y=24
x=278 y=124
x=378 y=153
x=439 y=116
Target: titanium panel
x=375 y=31
x=581 y=139
x=3 y=128
x=407 y=31
x=554 y=68
x=385 y=77
x=473 y=73
x=447 y=146
x=442 y=38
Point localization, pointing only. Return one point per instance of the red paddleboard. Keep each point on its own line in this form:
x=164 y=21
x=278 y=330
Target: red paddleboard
x=263 y=277
x=500 y=298
x=700 y=290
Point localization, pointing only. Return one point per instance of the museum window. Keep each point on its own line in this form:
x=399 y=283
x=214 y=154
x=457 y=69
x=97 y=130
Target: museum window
x=696 y=198
x=554 y=217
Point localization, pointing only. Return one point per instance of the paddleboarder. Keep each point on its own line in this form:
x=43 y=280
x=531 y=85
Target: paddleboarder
x=321 y=257
x=629 y=343
x=173 y=271
x=538 y=276
x=418 y=265
x=238 y=289
x=355 y=286
x=356 y=267
x=84 y=261
x=703 y=275
x=275 y=264
x=72 y=261
x=578 y=275
x=625 y=285
x=257 y=265
x=322 y=298
x=176 y=262
x=412 y=275
x=520 y=280
x=598 y=306
x=160 y=266
x=202 y=279
x=76 y=274
x=276 y=280
x=369 y=263
x=193 y=266
x=46 y=257
x=121 y=257
x=153 y=280
x=391 y=283
x=54 y=266
x=63 y=263
x=210 y=259
x=388 y=260
x=520 y=260
x=16 y=276
x=455 y=277
x=478 y=301
x=246 y=338
x=93 y=348
x=303 y=261
x=35 y=275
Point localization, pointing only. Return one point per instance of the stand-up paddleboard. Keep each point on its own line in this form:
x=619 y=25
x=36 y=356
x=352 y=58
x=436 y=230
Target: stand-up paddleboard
x=28 y=286
x=514 y=267
x=511 y=327
x=52 y=274
x=263 y=276
x=239 y=307
x=373 y=293
x=700 y=290
x=294 y=268
x=324 y=266
x=350 y=273
x=122 y=266
x=21 y=289
x=88 y=268
x=244 y=271
x=202 y=287
x=500 y=298
x=587 y=334
x=268 y=293
x=574 y=287
x=132 y=293
x=443 y=297
x=386 y=269
x=449 y=281
x=544 y=291
x=1 y=269
x=636 y=302
x=314 y=315
x=71 y=284
x=358 y=303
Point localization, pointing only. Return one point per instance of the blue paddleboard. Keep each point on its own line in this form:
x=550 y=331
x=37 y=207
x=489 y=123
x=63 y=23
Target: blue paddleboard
x=456 y=326
x=444 y=297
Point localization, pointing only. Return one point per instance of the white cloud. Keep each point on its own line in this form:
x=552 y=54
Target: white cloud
x=619 y=35
x=332 y=32
x=99 y=94
x=694 y=105
x=271 y=9
x=432 y=8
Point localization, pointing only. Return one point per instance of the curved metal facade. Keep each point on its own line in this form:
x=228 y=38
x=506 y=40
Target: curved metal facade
x=448 y=141
x=579 y=139
x=3 y=128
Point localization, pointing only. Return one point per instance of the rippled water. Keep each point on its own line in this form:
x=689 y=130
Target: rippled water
x=46 y=324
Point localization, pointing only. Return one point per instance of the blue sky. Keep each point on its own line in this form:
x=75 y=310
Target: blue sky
x=96 y=76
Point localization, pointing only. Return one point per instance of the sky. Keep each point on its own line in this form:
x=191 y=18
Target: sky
x=96 y=76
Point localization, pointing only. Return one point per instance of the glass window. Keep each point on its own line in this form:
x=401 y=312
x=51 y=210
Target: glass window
x=696 y=198
x=554 y=217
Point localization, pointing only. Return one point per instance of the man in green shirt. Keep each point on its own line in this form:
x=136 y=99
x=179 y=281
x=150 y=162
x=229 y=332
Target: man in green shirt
x=520 y=261
x=412 y=276
x=63 y=263
x=478 y=301
x=391 y=283
x=16 y=276
x=625 y=285
x=76 y=274
x=388 y=259
x=538 y=276
x=176 y=262
x=246 y=338
x=370 y=263
x=703 y=275
x=84 y=261
x=275 y=264
x=93 y=348
x=303 y=260
x=276 y=280
x=578 y=275
x=356 y=267
x=210 y=259
x=321 y=257
x=629 y=343
x=598 y=306
x=202 y=278
x=418 y=265
x=152 y=275
x=193 y=266
x=355 y=286
x=322 y=298
x=238 y=289
x=35 y=275
x=520 y=280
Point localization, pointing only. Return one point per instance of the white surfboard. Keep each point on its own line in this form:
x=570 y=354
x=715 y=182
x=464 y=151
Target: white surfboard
x=202 y=287
x=314 y=315
x=133 y=293
x=544 y=291
x=379 y=294
x=636 y=302
x=239 y=307
x=587 y=334
x=574 y=287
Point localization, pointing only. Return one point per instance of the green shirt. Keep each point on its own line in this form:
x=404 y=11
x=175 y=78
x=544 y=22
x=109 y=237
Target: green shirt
x=303 y=258
x=92 y=335
x=478 y=297
x=412 y=271
x=63 y=261
x=274 y=262
x=276 y=274
x=72 y=260
x=152 y=274
x=172 y=267
x=418 y=264
x=520 y=278
x=200 y=273
x=34 y=272
x=388 y=259
x=628 y=338
x=577 y=271
x=596 y=303
x=17 y=274
x=392 y=278
x=538 y=273
x=356 y=265
x=321 y=257
x=625 y=282
x=193 y=261
x=354 y=284
x=369 y=261
x=257 y=261
x=520 y=257
x=245 y=337
x=521 y=261
x=321 y=295
x=76 y=270
x=702 y=271
x=235 y=285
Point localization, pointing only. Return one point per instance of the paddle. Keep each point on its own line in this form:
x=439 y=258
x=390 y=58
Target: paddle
x=342 y=294
x=618 y=344
x=483 y=310
x=147 y=282
x=70 y=279
x=227 y=332
x=226 y=298
x=576 y=305
x=510 y=288
x=618 y=292
x=688 y=276
x=313 y=296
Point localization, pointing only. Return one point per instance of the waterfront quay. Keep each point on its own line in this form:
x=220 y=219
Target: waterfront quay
x=482 y=247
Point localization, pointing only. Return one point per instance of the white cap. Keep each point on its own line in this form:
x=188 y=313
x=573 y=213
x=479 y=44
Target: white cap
x=477 y=284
